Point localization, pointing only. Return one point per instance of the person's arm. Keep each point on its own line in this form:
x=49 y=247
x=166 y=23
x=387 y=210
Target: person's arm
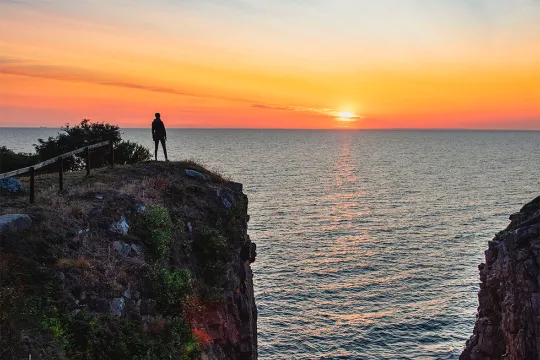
x=153 y=131
x=164 y=132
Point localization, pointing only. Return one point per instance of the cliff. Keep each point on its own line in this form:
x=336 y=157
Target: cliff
x=150 y=261
x=508 y=319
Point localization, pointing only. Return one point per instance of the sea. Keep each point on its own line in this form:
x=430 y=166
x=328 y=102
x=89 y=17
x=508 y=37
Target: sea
x=368 y=242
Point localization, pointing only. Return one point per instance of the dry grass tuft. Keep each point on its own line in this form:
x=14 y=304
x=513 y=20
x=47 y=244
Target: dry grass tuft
x=73 y=264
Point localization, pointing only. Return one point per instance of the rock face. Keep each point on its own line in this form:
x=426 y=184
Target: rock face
x=234 y=326
x=508 y=318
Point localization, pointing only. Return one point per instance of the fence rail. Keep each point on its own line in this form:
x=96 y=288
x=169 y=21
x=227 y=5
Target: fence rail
x=59 y=159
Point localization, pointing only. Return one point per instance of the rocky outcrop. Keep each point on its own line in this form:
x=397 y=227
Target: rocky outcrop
x=154 y=263
x=508 y=319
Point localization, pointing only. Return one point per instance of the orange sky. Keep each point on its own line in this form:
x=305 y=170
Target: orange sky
x=280 y=64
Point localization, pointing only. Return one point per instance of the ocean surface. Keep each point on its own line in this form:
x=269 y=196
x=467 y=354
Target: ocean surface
x=368 y=241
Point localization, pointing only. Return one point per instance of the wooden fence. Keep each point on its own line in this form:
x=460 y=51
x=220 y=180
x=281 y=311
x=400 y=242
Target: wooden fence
x=60 y=160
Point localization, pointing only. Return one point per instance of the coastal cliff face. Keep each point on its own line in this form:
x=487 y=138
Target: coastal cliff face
x=508 y=318
x=150 y=261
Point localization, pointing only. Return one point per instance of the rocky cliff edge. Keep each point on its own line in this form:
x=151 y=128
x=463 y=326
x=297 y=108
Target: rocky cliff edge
x=150 y=261
x=508 y=319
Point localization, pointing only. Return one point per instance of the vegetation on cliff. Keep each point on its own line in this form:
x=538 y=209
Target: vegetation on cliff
x=136 y=262
x=72 y=138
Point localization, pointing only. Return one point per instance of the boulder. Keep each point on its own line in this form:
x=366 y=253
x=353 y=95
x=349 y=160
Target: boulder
x=195 y=174
x=120 y=227
x=117 y=306
x=14 y=222
x=122 y=248
x=127 y=294
x=227 y=197
x=136 y=249
x=11 y=185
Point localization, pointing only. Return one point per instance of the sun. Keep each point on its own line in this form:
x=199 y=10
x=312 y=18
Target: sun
x=346 y=116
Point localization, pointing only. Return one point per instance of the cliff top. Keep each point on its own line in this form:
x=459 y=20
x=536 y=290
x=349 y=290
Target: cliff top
x=144 y=261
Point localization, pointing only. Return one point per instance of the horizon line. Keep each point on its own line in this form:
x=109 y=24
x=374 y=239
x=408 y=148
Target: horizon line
x=293 y=129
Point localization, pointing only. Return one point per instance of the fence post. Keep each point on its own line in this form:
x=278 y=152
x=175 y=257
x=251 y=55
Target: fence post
x=87 y=161
x=32 y=180
x=61 y=174
x=111 y=145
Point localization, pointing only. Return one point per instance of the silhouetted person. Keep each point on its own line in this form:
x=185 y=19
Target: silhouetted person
x=159 y=134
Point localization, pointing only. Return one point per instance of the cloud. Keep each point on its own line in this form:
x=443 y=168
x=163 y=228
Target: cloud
x=21 y=67
x=321 y=111
x=11 y=60
x=29 y=68
x=272 y=107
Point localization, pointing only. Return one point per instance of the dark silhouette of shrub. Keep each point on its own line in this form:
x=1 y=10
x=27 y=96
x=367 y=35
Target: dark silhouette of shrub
x=87 y=133
x=129 y=152
x=10 y=160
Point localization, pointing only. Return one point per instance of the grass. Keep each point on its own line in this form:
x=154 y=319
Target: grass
x=156 y=230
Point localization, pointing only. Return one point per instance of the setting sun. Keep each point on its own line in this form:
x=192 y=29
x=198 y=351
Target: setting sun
x=346 y=116
x=95 y=60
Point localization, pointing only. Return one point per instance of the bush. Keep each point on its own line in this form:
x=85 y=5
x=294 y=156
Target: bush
x=211 y=245
x=80 y=135
x=88 y=337
x=156 y=230
x=72 y=138
x=211 y=249
x=10 y=160
x=171 y=286
x=88 y=133
x=128 y=152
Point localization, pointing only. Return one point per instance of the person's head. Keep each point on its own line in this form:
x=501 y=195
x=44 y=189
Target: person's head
x=158 y=115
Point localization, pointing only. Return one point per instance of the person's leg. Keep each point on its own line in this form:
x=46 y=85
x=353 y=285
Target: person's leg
x=164 y=149
x=155 y=151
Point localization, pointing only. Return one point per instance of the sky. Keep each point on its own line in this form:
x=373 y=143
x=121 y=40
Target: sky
x=325 y=64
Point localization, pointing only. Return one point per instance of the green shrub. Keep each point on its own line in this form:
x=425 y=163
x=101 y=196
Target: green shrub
x=211 y=249
x=103 y=337
x=171 y=286
x=156 y=231
x=211 y=245
x=128 y=152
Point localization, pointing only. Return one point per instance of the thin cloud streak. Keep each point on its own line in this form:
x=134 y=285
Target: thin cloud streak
x=321 y=111
x=62 y=73
x=10 y=66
